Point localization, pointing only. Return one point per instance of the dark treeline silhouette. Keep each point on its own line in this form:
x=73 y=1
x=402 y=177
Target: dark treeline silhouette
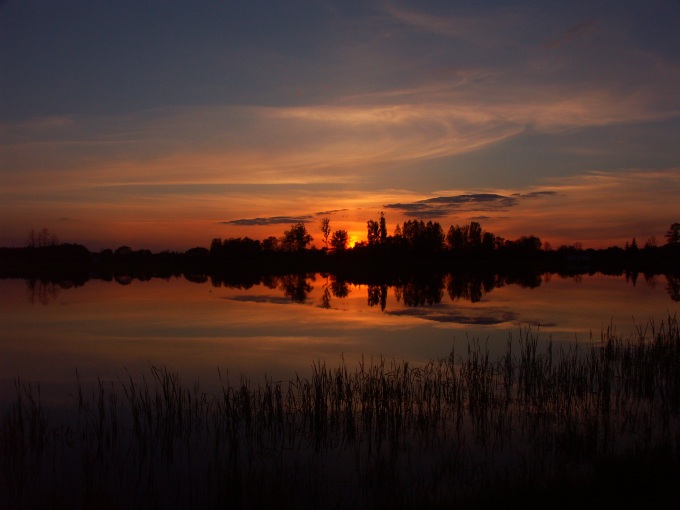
x=415 y=248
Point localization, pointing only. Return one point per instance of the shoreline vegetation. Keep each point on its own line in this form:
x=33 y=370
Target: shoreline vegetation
x=540 y=426
x=415 y=248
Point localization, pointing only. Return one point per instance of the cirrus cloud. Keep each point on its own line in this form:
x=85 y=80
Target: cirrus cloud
x=272 y=220
x=442 y=206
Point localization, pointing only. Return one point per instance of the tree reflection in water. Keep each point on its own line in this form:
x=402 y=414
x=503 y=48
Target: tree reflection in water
x=673 y=286
x=339 y=287
x=43 y=291
x=295 y=287
x=377 y=294
x=415 y=290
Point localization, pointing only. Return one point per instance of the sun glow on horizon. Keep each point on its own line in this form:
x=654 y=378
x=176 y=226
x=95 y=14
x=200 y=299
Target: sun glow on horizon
x=353 y=240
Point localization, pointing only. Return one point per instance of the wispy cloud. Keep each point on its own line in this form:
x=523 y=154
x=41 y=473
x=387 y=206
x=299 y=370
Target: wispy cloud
x=272 y=220
x=335 y=144
x=483 y=30
x=443 y=206
x=535 y=194
x=324 y=213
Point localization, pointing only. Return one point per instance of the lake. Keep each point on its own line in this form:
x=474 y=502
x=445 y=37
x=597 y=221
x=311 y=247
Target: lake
x=280 y=327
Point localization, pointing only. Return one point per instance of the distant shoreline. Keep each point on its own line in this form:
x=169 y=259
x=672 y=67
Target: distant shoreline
x=364 y=263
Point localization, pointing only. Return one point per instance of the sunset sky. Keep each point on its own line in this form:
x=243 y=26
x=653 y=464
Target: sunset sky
x=163 y=125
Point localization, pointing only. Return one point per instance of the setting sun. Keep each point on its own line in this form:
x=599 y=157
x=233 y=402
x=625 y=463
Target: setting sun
x=353 y=240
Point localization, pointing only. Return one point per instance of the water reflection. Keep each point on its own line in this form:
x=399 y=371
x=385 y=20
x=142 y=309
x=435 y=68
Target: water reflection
x=673 y=287
x=484 y=317
x=339 y=287
x=276 y=325
x=415 y=291
x=297 y=286
x=42 y=291
x=335 y=287
x=377 y=294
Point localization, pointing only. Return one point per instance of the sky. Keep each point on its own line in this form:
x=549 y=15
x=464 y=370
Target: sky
x=163 y=125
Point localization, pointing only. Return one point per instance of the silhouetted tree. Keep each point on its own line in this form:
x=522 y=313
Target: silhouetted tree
x=373 y=232
x=326 y=230
x=122 y=251
x=488 y=241
x=423 y=238
x=433 y=237
x=235 y=248
x=197 y=253
x=475 y=235
x=216 y=247
x=297 y=238
x=412 y=231
x=471 y=238
x=41 y=239
x=525 y=246
x=383 y=228
x=241 y=248
x=456 y=238
x=673 y=234
x=339 y=240
x=271 y=243
x=633 y=246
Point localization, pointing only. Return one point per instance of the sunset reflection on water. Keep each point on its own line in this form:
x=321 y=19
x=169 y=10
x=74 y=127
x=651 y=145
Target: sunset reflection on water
x=279 y=328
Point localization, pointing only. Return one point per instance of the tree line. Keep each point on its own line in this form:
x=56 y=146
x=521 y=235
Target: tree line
x=414 y=246
x=420 y=239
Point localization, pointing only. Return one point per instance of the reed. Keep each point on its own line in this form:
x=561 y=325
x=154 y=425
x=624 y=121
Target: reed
x=538 y=418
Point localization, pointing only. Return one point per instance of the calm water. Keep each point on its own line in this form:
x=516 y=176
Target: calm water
x=278 y=329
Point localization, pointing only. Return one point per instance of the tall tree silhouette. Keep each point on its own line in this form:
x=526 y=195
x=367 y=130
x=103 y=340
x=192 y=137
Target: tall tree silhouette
x=673 y=234
x=383 y=228
x=41 y=239
x=326 y=230
x=423 y=238
x=373 y=232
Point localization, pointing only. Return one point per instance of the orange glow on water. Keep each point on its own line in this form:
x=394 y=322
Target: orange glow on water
x=104 y=328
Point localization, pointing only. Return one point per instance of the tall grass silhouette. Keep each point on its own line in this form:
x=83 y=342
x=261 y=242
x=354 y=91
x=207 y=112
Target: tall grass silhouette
x=468 y=429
